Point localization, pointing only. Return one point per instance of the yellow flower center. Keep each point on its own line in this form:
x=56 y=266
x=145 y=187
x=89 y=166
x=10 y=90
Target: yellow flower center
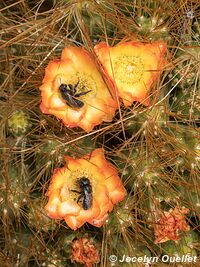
x=86 y=84
x=128 y=69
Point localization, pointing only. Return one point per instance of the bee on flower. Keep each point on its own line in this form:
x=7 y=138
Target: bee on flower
x=84 y=190
x=74 y=91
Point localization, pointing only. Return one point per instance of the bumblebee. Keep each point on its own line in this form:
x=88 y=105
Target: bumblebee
x=69 y=94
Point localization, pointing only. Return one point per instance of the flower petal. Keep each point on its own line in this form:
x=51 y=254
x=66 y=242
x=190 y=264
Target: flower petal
x=51 y=208
x=58 y=179
x=73 y=223
x=68 y=208
x=117 y=195
x=93 y=212
x=98 y=222
x=97 y=157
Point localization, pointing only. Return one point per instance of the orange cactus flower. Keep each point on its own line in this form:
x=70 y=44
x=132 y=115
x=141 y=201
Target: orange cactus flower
x=168 y=226
x=84 y=190
x=74 y=91
x=133 y=67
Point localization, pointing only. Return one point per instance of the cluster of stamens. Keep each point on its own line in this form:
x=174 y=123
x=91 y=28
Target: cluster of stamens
x=133 y=67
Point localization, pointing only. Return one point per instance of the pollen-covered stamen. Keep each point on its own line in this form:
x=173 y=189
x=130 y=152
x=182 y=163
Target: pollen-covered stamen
x=86 y=87
x=128 y=69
